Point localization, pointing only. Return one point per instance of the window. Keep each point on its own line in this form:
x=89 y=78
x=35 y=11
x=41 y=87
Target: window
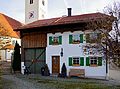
x=76 y=61
x=43 y=2
x=93 y=61
x=55 y=40
x=93 y=37
x=42 y=16
x=13 y=42
x=75 y=38
x=31 y=1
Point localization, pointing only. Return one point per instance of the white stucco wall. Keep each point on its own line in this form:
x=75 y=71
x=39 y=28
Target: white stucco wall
x=71 y=50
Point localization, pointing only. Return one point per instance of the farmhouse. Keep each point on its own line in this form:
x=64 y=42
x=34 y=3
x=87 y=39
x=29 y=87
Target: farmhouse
x=8 y=37
x=73 y=40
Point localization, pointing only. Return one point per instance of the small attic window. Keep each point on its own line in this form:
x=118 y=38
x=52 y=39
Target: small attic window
x=31 y=1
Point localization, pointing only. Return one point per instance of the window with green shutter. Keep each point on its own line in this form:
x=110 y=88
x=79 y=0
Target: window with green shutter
x=75 y=38
x=81 y=61
x=70 y=39
x=87 y=61
x=55 y=40
x=70 y=61
x=50 y=40
x=76 y=61
x=99 y=61
x=60 y=39
x=81 y=38
x=95 y=61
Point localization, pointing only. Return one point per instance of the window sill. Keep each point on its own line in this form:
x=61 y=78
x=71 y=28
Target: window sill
x=76 y=65
x=93 y=65
x=75 y=42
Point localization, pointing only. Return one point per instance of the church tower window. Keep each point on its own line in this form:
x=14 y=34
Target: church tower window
x=31 y=1
x=43 y=2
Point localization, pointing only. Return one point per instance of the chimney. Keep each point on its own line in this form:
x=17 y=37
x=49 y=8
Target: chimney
x=69 y=11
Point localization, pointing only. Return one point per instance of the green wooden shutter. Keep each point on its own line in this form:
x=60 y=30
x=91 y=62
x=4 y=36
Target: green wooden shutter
x=81 y=38
x=60 y=39
x=87 y=61
x=81 y=61
x=50 y=40
x=70 y=39
x=99 y=61
x=70 y=61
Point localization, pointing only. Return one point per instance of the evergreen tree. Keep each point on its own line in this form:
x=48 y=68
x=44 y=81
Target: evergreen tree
x=64 y=71
x=16 y=64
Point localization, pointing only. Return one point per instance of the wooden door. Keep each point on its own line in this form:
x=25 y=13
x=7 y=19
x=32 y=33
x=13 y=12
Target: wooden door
x=55 y=64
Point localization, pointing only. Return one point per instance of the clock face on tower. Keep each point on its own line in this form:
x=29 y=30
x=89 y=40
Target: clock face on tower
x=31 y=14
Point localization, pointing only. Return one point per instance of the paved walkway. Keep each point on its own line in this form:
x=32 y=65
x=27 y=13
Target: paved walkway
x=114 y=74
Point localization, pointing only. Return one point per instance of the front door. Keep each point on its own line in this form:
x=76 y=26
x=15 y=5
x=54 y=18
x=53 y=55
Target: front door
x=55 y=64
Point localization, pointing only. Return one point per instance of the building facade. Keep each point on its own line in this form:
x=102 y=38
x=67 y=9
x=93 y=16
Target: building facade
x=70 y=40
x=78 y=53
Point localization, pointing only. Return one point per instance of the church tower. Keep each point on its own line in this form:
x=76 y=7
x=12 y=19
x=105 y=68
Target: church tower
x=35 y=10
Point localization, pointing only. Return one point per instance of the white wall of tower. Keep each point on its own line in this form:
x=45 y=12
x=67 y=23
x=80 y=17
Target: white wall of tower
x=37 y=8
x=43 y=9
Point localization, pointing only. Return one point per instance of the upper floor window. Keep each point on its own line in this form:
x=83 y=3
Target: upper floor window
x=55 y=40
x=31 y=1
x=93 y=38
x=76 y=38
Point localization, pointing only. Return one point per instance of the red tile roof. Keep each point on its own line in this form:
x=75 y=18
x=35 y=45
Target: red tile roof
x=64 y=20
x=7 y=24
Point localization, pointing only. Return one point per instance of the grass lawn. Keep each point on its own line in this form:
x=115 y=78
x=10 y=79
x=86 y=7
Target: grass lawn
x=75 y=84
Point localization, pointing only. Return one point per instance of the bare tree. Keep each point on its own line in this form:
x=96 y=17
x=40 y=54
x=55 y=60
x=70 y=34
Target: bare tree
x=109 y=27
x=114 y=43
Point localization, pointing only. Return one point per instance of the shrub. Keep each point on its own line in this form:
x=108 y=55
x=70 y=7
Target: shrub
x=64 y=71
x=46 y=70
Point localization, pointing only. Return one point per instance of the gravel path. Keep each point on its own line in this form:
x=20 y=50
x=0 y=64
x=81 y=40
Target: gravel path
x=12 y=82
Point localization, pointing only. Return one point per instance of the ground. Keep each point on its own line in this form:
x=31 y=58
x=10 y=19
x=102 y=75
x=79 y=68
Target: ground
x=19 y=81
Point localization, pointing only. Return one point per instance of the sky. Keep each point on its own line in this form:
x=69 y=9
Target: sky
x=56 y=8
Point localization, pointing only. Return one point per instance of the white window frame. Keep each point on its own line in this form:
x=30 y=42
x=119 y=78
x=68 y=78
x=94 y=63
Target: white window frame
x=94 y=59
x=55 y=39
x=77 y=59
x=76 y=38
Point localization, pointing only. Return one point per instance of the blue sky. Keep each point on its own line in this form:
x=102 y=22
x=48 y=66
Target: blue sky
x=56 y=8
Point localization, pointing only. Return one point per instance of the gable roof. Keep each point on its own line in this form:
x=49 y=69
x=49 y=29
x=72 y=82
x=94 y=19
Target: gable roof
x=7 y=24
x=64 y=20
